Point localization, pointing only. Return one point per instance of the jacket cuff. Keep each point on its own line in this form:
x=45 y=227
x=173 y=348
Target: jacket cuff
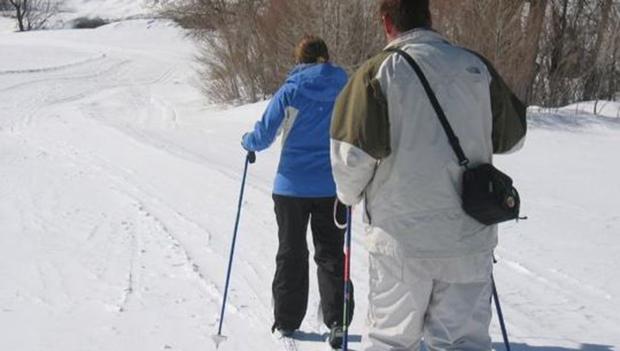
x=246 y=142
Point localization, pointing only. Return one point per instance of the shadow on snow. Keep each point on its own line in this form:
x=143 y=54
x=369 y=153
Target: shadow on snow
x=303 y=336
x=526 y=347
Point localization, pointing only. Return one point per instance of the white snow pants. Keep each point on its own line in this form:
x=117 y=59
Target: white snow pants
x=446 y=301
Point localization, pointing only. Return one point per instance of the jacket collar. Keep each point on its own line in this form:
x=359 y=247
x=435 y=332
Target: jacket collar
x=417 y=36
x=301 y=67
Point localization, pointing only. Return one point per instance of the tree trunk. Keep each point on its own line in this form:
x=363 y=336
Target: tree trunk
x=593 y=81
x=557 y=54
x=534 y=30
x=19 y=7
x=20 y=19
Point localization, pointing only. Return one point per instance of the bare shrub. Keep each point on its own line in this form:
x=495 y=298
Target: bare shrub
x=88 y=22
x=247 y=45
x=551 y=52
x=33 y=14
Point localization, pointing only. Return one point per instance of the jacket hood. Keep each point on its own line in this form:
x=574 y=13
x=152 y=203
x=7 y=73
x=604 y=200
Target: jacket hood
x=320 y=82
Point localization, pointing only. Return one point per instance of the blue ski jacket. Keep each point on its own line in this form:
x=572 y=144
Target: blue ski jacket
x=301 y=111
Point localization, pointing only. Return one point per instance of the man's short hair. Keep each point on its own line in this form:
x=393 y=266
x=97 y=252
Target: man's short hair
x=407 y=14
x=311 y=49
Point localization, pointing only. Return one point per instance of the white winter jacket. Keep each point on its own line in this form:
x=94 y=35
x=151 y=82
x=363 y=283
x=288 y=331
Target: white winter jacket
x=388 y=146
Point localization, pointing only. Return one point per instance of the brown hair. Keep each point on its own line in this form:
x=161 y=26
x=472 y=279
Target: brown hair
x=311 y=49
x=407 y=14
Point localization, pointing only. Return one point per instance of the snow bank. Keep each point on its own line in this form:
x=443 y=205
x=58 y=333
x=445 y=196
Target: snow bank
x=599 y=108
x=109 y=9
x=7 y=24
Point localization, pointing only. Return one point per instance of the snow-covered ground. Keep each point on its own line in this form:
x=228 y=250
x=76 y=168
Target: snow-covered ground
x=601 y=108
x=6 y=24
x=118 y=191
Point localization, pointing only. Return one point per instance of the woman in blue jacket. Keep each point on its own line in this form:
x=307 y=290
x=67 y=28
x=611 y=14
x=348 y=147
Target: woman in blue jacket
x=304 y=189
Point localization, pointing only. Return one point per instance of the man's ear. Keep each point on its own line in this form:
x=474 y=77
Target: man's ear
x=388 y=27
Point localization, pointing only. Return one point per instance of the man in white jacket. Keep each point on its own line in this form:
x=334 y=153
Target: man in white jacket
x=430 y=263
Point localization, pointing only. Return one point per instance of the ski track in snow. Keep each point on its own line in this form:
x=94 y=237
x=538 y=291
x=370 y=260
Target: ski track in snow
x=119 y=193
x=55 y=68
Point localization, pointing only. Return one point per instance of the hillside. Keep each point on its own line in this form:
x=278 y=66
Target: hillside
x=108 y=10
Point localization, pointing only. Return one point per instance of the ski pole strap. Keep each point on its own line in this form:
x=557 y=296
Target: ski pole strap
x=452 y=138
x=338 y=224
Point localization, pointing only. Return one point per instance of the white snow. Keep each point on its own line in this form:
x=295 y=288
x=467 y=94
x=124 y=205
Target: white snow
x=118 y=193
x=600 y=108
x=6 y=24
x=108 y=10
x=111 y=10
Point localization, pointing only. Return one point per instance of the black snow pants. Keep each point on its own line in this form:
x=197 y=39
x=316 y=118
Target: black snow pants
x=290 y=284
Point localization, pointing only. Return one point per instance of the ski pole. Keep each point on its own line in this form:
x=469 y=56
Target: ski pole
x=500 y=315
x=347 y=283
x=250 y=158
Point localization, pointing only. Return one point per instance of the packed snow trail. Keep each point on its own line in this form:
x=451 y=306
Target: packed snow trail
x=93 y=241
x=118 y=191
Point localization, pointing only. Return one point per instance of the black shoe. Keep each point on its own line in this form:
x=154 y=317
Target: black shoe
x=336 y=335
